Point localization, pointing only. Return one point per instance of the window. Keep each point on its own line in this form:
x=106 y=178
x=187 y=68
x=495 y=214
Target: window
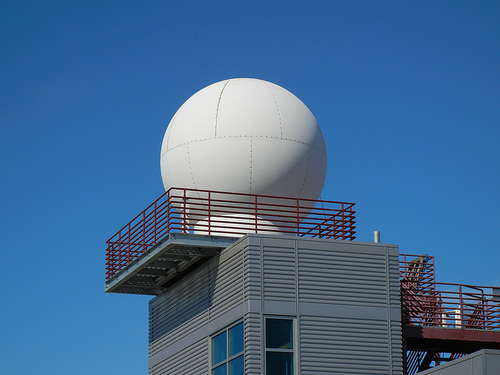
x=279 y=346
x=228 y=352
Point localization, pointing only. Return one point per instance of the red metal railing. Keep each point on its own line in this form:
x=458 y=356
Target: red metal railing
x=450 y=306
x=222 y=213
x=427 y=303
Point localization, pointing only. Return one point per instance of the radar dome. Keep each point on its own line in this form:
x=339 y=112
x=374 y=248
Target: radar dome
x=245 y=136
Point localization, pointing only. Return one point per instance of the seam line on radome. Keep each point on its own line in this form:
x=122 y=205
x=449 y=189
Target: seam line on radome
x=306 y=174
x=245 y=136
x=277 y=107
x=217 y=109
x=191 y=168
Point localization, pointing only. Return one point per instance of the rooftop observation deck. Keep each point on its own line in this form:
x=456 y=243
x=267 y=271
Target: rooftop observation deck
x=443 y=321
x=185 y=226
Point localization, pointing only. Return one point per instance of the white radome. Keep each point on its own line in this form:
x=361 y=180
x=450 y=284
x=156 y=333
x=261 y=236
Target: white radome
x=243 y=136
x=246 y=136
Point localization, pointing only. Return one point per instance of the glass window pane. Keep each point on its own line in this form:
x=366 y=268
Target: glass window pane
x=279 y=363
x=236 y=340
x=279 y=333
x=221 y=370
x=219 y=351
x=237 y=366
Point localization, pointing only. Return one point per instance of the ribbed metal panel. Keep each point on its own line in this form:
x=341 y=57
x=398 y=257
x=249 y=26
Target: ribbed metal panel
x=395 y=329
x=252 y=271
x=343 y=346
x=190 y=361
x=347 y=297
x=327 y=276
x=253 y=347
x=279 y=270
x=252 y=292
x=188 y=307
x=185 y=304
x=396 y=359
x=226 y=285
x=344 y=296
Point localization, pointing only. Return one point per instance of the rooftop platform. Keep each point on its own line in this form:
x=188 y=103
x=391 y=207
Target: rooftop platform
x=215 y=213
x=165 y=262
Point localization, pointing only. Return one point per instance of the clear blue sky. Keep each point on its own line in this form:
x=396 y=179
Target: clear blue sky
x=407 y=95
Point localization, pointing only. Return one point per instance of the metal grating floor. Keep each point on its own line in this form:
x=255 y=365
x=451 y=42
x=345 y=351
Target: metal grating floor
x=168 y=259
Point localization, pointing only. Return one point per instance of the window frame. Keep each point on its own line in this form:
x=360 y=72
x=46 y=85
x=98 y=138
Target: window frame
x=294 y=341
x=228 y=359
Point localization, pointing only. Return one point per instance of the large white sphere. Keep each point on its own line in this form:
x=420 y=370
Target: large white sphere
x=246 y=136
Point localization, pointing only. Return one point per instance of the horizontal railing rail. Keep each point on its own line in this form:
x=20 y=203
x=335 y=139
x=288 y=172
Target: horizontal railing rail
x=223 y=213
x=450 y=306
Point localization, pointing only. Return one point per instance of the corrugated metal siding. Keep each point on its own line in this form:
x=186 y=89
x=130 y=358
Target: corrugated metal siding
x=253 y=347
x=192 y=361
x=339 y=277
x=188 y=307
x=226 y=285
x=396 y=347
x=185 y=305
x=345 y=296
x=395 y=328
x=279 y=270
x=252 y=285
x=343 y=346
x=252 y=290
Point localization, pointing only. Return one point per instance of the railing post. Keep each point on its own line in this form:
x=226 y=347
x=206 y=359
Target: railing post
x=169 y=212
x=184 y=211
x=298 y=218
x=154 y=221
x=342 y=216
x=128 y=248
x=107 y=259
x=209 y=213
x=461 y=308
x=256 y=214
x=116 y=261
x=143 y=231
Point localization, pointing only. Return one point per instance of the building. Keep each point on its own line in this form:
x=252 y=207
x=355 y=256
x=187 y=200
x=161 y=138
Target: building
x=255 y=275
x=243 y=296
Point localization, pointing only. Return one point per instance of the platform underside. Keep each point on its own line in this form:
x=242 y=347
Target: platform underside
x=450 y=340
x=170 y=258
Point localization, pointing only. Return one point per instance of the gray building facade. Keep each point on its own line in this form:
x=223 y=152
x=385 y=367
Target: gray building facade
x=276 y=304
